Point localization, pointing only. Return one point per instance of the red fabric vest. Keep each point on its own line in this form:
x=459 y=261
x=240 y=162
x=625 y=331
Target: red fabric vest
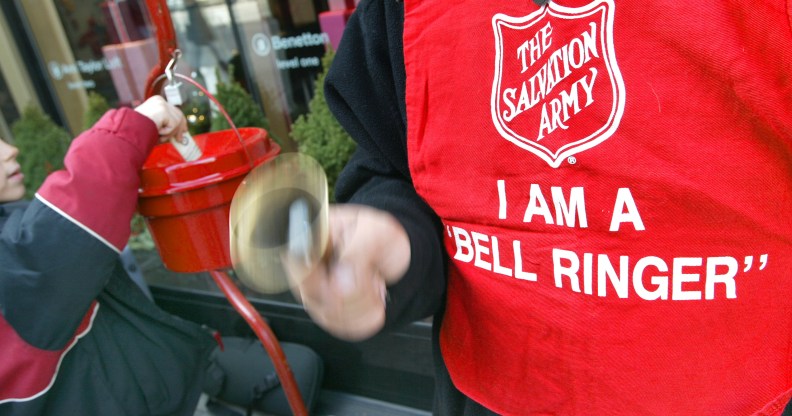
x=615 y=182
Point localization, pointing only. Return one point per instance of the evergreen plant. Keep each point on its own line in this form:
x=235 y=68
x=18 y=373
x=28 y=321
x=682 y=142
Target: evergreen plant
x=42 y=146
x=97 y=106
x=240 y=106
x=318 y=133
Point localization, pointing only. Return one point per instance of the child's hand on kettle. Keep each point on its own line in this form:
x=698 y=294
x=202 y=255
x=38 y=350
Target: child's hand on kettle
x=170 y=120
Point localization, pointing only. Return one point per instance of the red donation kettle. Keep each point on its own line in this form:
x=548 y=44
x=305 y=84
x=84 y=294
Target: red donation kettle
x=187 y=204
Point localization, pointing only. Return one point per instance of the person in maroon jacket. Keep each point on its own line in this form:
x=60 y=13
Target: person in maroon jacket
x=592 y=197
x=78 y=336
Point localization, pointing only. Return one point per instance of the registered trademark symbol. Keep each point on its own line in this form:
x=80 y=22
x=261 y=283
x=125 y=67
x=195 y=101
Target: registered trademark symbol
x=571 y=160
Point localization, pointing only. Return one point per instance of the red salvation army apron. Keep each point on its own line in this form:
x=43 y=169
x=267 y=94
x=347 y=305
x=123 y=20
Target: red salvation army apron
x=615 y=182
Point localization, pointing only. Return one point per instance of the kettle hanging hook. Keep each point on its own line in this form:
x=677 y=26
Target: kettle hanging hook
x=172 y=65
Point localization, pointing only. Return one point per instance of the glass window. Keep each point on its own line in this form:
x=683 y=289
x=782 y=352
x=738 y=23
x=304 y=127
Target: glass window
x=282 y=46
x=91 y=46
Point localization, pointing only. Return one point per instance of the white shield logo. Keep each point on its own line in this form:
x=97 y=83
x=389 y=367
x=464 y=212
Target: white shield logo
x=557 y=89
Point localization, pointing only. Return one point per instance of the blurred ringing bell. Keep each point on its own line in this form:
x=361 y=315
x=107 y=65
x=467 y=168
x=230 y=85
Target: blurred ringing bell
x=279 y=215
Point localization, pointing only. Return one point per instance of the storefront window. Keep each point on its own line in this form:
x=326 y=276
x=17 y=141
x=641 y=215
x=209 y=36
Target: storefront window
x=283 y=46
x=204 y=35
x=274 y=47
x=91 y=46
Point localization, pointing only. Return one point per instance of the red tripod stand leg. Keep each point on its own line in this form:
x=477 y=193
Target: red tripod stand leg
x=268 y=340
x=166 y=41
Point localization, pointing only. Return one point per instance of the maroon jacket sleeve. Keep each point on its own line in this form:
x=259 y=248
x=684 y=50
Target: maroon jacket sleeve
x=97 y=190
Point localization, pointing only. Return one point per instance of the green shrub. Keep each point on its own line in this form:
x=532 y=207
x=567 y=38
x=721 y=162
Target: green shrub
x=97 y=106
x=319 y=135
x=42 y=146
x=240 y=106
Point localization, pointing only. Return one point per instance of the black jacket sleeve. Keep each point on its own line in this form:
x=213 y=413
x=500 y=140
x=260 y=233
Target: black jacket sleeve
x=365 y=90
